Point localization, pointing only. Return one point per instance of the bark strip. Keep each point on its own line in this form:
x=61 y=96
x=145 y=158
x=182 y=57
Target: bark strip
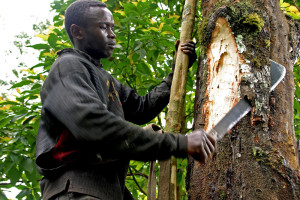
x=176 y=113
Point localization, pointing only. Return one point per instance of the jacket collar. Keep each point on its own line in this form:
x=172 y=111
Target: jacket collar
x=80 y=53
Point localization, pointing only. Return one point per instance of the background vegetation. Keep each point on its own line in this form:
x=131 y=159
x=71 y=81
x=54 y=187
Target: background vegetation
x=146 y=33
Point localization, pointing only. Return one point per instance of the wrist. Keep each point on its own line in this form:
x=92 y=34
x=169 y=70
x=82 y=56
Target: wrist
x=169 y=78
x=182 y=149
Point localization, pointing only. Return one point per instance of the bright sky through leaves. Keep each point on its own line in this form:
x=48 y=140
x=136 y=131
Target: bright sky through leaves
x=16 y=17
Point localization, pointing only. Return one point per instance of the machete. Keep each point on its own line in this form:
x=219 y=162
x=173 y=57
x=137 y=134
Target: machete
x=243 y=106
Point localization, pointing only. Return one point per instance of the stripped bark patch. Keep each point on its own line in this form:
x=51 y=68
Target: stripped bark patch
x=224 y=77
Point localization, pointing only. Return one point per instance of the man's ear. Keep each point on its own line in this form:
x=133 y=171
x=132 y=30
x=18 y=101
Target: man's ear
x=77 y=32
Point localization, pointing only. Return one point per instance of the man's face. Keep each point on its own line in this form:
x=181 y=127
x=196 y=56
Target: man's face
x=99 y=38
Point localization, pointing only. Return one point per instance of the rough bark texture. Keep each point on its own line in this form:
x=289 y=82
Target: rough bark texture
x=258 y=158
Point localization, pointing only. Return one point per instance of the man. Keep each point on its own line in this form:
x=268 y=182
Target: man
x=84 y=143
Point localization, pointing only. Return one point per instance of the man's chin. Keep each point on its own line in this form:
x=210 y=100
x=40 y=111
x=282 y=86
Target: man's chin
x=109 y=54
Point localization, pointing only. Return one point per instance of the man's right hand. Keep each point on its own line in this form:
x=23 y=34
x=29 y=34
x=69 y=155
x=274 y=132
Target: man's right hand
x=201 y=145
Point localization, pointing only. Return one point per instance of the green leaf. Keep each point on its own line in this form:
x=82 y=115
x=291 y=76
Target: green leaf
x=14 y=158
x=32 y=91
x=297 y=92
x=14 y=175
x=28 y=164
x=280 y=2
x=22 y=83
x=28 y=119
x=144 y=68
x=15 y=72
x=59 y=23
x=297 y=106
x=52 y=39
x=17 y=117
x=36 y=86
x=34 y=175
x=40 y=46
x=9 y=103
x=38 y=65
x=3 y=115
x=36 y=124
x=24 y=141
x=56 y=18
x=5 y=121
x=142 y=53
x=284 y=5
x=23 y=193
x=137 y=45
x=293 y=15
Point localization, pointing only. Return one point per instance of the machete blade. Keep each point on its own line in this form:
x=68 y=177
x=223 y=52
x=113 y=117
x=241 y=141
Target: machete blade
x=277 y=74
x=243 y=106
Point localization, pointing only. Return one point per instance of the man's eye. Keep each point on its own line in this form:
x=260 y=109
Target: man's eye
x=103 y=27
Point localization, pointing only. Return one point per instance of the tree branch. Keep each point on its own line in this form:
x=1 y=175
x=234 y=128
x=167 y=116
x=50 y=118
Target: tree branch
x=141 y=189
x=159 y=121
x=138 y=173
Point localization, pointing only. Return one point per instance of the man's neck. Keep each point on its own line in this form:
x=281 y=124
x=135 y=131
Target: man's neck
x=96 y=60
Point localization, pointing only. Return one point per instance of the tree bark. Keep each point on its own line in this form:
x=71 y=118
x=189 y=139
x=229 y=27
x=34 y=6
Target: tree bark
x=258 y=158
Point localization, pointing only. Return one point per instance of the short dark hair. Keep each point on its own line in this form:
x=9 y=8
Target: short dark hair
x=75 y=13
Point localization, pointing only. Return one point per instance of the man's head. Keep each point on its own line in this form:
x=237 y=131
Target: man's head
x=89 y=25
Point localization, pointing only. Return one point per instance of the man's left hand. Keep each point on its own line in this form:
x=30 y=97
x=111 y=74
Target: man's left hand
x=188 y=48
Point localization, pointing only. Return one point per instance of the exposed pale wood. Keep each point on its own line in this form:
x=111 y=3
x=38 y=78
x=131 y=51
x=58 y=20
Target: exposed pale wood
x=224 y=74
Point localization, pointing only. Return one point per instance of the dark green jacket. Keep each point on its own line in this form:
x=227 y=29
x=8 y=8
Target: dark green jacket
x=80 y=96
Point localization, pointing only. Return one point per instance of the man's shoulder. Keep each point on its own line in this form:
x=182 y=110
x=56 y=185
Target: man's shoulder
x=68 y=55
x=78 y=55
x=69 y=60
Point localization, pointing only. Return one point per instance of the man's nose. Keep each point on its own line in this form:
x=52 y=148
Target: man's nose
x=111 y=33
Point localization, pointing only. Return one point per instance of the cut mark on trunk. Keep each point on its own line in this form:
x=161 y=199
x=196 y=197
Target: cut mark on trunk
x=224 y=77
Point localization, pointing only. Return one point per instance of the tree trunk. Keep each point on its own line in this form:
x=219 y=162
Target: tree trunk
x=258 y=158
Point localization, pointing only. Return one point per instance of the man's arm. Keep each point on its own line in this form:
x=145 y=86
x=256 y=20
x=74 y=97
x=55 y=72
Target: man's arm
x=142 y=109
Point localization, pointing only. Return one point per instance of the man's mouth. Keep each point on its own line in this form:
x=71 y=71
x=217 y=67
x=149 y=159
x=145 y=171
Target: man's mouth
x=112 y=45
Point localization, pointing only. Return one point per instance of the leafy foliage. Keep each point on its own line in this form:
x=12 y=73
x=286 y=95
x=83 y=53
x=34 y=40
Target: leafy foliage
x=297 y=98
x=291 y=8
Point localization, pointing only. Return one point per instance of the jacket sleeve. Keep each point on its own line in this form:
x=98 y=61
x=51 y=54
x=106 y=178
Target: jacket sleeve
x=70 y=97
x=142 y=109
